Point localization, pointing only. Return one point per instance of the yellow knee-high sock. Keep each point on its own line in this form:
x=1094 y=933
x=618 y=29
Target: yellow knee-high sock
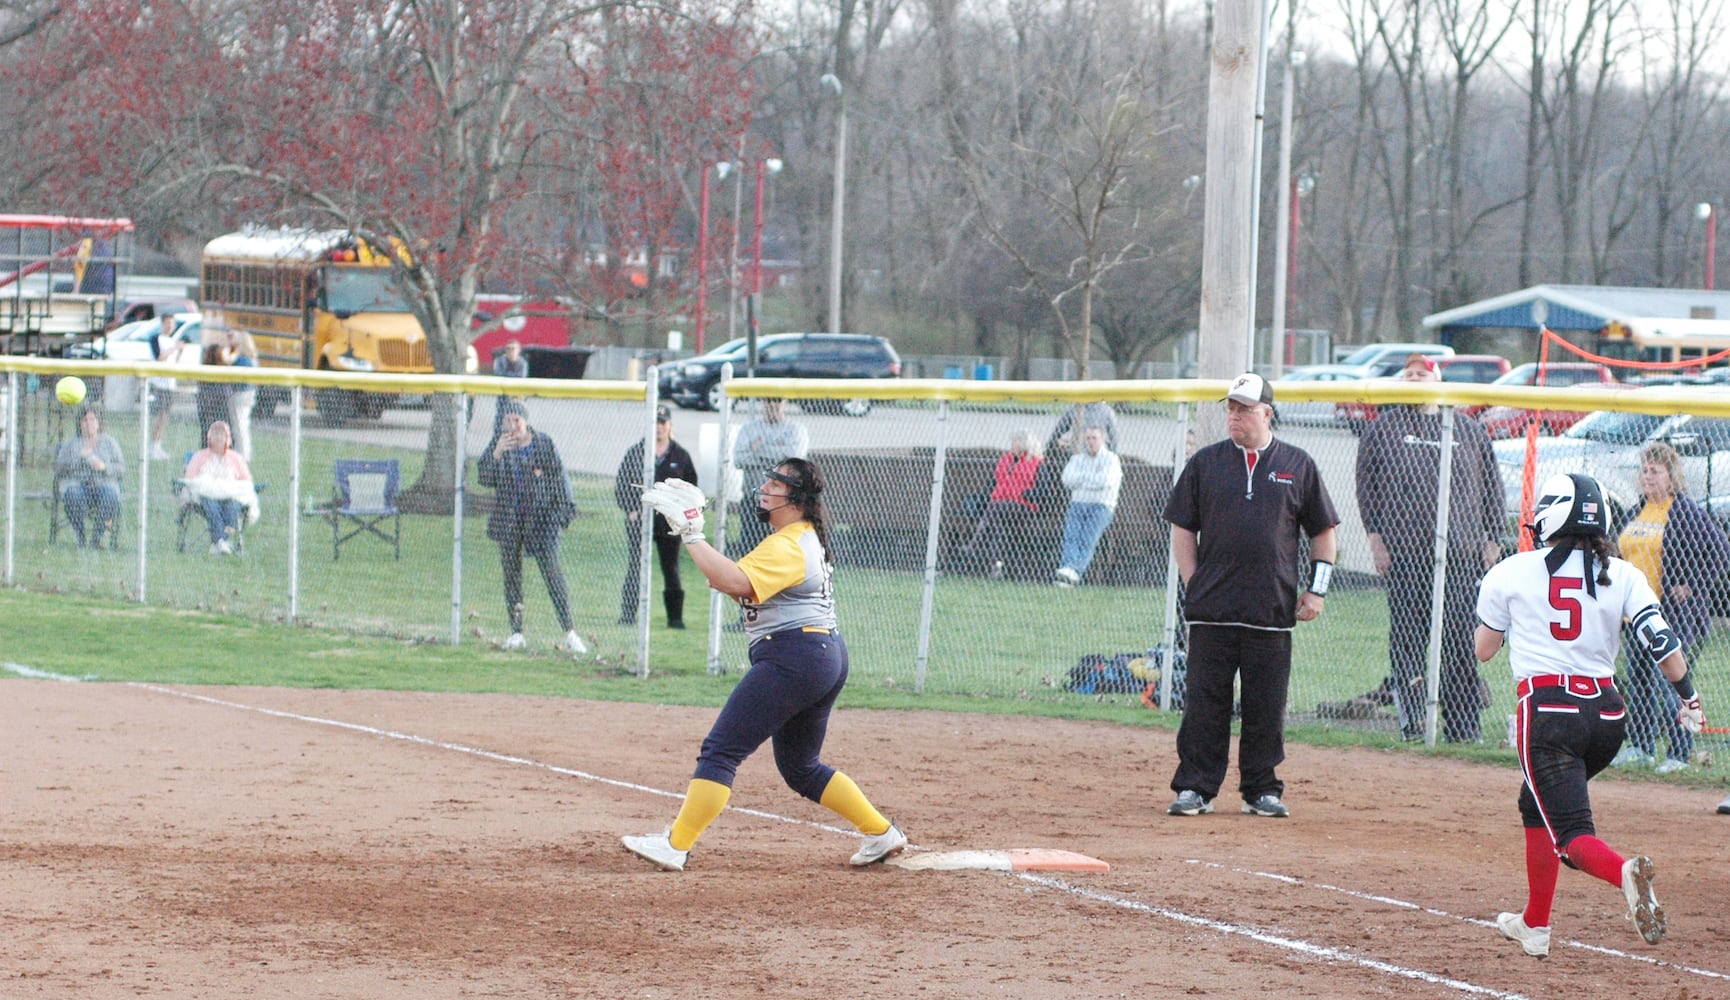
x=844 y=797
x=704 y=801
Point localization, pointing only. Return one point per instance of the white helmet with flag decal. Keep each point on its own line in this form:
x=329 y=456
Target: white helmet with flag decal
x=1570 y=503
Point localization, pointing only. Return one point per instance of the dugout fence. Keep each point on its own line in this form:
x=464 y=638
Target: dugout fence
x=926 y=602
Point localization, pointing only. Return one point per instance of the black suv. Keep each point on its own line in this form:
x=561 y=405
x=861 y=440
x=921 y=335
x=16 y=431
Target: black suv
x=696 y=382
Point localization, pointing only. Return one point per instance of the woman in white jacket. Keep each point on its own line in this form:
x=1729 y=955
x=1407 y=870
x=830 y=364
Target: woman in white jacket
x=1092 y=477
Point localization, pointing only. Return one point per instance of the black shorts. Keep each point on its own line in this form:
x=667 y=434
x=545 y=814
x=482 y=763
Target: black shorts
x=1564 y=738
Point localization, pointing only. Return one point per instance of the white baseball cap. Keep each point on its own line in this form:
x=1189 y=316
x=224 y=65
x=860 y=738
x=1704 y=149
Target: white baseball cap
x=1250 y=389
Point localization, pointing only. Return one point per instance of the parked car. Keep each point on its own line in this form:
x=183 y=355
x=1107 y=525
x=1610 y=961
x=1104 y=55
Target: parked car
x=1555 y=374
x=1511 y=421
x=131 y=342
x=1316 y=414
x=1702 y=442
x=1606 y=445
x=133 y=310
x=696 y=382
x=1588 y=446
x=1453 y=368
x=1378 y=357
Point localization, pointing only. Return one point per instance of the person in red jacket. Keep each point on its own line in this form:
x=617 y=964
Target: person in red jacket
x=1007 y=510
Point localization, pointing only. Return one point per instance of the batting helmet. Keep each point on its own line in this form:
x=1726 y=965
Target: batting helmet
x=1571 y=503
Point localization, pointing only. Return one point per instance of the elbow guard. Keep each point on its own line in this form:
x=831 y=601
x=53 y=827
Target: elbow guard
x=1655 y=633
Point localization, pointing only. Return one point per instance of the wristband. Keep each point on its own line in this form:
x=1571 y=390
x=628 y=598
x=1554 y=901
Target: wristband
x=1321 y=573
x=1685 y=686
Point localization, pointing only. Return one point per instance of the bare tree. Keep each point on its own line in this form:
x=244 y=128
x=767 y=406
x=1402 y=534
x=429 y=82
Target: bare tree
x=1051 y=194
x=1678 y=95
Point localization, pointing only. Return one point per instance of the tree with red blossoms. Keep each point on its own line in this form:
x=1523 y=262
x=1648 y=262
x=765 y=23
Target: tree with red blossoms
x=490 y=137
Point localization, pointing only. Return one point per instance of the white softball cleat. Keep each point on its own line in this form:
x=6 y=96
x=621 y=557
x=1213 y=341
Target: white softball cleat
x=513 y=642
x=1643 y=908
x=875 y=849
x=1534 y=941
x=657 y=848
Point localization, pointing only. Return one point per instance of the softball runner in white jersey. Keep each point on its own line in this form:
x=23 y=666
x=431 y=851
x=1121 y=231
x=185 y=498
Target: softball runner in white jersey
x=1560 y=608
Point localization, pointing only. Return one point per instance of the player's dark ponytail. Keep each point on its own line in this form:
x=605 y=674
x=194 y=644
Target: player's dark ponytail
x=1596 y=547
x=807 y=495
x=1605 y=550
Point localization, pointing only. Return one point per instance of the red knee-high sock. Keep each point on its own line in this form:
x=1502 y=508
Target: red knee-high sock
x=1596 y=858
x=1541 y=867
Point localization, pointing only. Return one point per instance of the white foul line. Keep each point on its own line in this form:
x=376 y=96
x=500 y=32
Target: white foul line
x=1406 y=904
x=1264 y=937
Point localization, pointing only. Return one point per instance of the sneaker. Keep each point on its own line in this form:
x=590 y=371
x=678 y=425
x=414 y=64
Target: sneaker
x=1069 y=576
x=1267 y=805
x=875 y=849
x=1189 y=803
x=657 y=848
x=1632 y=756
x=1643 y=908
x=1065 y=584
x=157 y=454
x=1534 y=941
x=223 y=548
x=573 y=643
x=514 y=642
x=1670 y=765
x=1724 y=807
x=676 y=623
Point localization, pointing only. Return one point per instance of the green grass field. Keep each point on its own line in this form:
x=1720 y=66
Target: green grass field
x=368 y=621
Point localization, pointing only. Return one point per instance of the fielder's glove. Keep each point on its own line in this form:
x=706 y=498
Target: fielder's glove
x=681 y=504
x=1691 y=716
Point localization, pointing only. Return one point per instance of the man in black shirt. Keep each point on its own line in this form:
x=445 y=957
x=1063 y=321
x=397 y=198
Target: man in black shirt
x=671 y=462
x=1235 y=512
x=1399 y=486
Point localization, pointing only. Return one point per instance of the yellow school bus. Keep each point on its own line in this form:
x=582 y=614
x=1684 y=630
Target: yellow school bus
x=318 y=299
x=1669 y=341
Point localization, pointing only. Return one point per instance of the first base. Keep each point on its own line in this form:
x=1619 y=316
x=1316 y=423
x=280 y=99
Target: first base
x=1020 y=859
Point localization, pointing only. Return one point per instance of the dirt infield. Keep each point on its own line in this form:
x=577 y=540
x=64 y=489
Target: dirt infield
x=242 y=842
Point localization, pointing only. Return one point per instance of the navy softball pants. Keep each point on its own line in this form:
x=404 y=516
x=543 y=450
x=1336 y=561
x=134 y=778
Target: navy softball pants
x=785 y=697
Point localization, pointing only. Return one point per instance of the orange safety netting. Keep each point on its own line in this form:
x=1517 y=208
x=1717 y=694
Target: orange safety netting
x=1548 y=336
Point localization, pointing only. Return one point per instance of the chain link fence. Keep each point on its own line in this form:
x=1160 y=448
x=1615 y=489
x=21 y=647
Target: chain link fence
x=947 y=556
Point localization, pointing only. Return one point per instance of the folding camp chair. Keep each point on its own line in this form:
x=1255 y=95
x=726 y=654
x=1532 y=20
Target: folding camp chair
x=365 y=500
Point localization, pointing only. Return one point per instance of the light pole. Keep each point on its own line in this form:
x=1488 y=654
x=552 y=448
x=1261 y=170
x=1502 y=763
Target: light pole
x=837 y=203
x=1704 y=213
x=753 y=302
x=1280 y=351
x=733 y=255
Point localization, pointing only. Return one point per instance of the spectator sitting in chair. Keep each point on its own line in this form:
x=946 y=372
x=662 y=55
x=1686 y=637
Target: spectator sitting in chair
x=87 y=474
x=217 y=478
x=1092 y=476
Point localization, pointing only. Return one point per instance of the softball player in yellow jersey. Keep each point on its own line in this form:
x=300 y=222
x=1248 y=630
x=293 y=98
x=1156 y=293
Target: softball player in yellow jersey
x=798 y=665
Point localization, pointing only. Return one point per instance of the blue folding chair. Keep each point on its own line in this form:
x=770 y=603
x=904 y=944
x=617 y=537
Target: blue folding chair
x=365 y=501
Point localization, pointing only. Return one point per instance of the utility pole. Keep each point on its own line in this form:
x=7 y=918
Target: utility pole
x=1227 y=270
